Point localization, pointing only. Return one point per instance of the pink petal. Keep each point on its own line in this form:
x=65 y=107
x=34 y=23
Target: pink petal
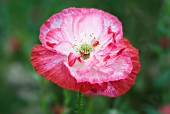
x=106 y=70
x=105 y=39
x=91 y=23
x=87 y=65
x=122 y=66
x=83 y=73
x=107 y=50
x=69 y=23
x=112 y=25
x=113 y=56
x=75 y=22
x=64 y=47
x=66 y=28
x=56 y=20
x=92 y=61
x=52 y=23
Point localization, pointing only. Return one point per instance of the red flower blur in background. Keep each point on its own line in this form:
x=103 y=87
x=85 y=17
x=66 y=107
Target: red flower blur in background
x=13 y=44
x=165 y=109
x=84 y=50
x=164 y=42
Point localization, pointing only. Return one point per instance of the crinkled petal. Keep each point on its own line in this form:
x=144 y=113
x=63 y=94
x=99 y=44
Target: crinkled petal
x=112 y=22
x=120 y=69
x=43 y=59
x=116 y=88
x=133 y=53
x=52 y=23
x=83 y=73
x=50 y=64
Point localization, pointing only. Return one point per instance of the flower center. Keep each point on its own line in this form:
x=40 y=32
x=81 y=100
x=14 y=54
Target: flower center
x=85 y=48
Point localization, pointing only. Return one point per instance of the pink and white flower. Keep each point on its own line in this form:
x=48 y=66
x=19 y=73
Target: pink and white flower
x=84 y=50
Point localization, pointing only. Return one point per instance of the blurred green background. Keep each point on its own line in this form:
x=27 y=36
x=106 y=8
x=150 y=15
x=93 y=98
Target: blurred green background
x=146 y=23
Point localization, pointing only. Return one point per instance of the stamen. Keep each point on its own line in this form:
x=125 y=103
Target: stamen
x=74 y=45
x=96 y=43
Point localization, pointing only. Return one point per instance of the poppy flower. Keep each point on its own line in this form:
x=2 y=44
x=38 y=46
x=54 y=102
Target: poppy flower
x=84 y=50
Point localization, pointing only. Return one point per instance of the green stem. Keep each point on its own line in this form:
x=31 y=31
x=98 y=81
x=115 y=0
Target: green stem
x=79 y=103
